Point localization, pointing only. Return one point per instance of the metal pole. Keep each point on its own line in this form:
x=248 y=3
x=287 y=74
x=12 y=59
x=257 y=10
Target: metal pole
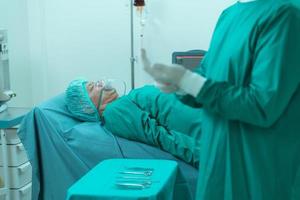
x=132 y=58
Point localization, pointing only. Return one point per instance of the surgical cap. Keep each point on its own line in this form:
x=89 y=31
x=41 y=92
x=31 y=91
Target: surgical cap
x=79 y=103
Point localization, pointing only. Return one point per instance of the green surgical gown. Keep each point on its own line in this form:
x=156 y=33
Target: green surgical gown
x=152 y=117
x=251 y=105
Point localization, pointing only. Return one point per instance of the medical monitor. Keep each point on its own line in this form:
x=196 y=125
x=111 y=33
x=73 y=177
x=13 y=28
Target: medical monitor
x=189 y=59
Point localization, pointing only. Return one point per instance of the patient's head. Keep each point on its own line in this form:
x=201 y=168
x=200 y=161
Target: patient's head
x=87 y=100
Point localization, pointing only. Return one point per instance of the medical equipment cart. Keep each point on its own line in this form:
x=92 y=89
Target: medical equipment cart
x=15 y=170
x=128 y=179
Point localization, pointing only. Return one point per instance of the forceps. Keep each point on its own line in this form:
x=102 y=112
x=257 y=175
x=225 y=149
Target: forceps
x=127 y=185
x=134 y=179
x=145 y=173
x=140 y=168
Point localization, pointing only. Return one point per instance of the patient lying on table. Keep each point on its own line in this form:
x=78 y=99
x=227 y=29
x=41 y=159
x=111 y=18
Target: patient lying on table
x=144 y=115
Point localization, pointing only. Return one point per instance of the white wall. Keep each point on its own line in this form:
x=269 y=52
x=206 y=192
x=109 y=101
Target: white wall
x=80 y=38
x=91 y=38
x=179 y=25
x=13 y=17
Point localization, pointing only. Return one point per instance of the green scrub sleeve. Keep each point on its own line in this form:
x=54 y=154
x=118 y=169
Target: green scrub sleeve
x=126 y=119
x=272 y=82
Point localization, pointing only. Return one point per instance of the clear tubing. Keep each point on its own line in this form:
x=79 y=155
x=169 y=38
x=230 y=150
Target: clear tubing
x=142 y=28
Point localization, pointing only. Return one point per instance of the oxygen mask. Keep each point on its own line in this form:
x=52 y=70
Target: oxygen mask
x=112 y=85
x=110 y=89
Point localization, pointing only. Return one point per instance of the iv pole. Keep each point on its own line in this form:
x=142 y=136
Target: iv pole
x=139 y=4
x=132 y=58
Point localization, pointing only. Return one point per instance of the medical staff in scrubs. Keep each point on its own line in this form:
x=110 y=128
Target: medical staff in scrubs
x=248 y=87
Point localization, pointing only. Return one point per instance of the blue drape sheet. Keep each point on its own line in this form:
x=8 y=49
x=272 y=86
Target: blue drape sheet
x=62 y=149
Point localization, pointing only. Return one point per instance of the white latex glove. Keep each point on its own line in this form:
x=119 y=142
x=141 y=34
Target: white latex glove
x=173 y=78
x=167 y=76
x=167 y=88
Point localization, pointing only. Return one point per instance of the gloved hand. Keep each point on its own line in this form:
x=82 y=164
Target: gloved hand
x=167 y=76
x=166 y=88
x=173 y=78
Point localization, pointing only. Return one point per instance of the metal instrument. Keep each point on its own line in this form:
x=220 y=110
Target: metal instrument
x=135 y=178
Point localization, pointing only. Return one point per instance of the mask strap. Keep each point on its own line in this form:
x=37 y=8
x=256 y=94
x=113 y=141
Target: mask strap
x=100 y=100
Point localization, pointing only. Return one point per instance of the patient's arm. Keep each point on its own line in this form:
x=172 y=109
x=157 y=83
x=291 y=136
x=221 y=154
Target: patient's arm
x=127 y=119
x=168 y=111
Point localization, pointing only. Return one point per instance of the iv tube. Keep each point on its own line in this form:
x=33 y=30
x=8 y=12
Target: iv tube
x=140 y=5
x=142 y=27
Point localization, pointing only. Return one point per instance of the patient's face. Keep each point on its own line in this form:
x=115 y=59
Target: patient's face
x=94 y=89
